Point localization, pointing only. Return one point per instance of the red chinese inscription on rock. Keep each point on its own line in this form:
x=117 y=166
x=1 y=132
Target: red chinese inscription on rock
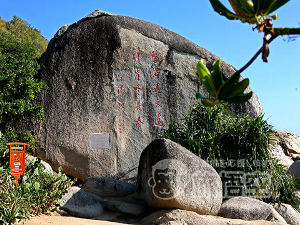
x=136 y=58
x=139 y=122
x=138 y=107
x=137 y=74
x=154 y=56
x=157 y=89
x=156 y=72
x=157 y=120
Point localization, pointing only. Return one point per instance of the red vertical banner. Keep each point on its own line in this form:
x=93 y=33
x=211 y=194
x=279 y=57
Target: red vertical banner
x=17 y=159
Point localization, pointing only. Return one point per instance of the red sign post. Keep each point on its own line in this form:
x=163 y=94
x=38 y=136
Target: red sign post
x=17 y=159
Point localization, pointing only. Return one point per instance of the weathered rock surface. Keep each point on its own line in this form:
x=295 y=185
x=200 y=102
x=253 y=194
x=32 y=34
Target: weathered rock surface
x=289 y=142
x=182 y=217
x=170 y=176
x=294 y=170
x=107 y=187
x=290 y=215
x=125 y=207
x=120 y=78
x=277 y=152
x=79 y=203
x=249 y=209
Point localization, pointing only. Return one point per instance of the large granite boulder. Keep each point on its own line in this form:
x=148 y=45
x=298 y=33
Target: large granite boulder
x=107 y=187
x=79 y=203
x=127 y=208
x=183 y=217
x=290 y=215
x=30 y=160
x=294 y=170
x=170 y=176
x=246 y=208
x=289 y=142
x=114 y=82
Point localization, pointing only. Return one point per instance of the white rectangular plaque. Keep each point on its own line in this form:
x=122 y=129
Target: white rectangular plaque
x=99 y=141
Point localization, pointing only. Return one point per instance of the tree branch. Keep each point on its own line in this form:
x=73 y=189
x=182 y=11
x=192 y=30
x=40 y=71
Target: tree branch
x=286 y=31
x=255 y=56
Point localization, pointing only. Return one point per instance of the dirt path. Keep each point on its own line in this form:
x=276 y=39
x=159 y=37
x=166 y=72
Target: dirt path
x=60 y=220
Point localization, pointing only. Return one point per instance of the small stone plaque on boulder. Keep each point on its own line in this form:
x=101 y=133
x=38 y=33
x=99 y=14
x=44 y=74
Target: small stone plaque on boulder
x=99 y=141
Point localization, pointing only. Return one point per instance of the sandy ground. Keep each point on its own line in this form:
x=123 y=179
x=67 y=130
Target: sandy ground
x=56 y=219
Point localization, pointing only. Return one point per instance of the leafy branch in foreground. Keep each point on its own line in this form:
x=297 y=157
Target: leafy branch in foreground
x=231 y=90
x=253 y=12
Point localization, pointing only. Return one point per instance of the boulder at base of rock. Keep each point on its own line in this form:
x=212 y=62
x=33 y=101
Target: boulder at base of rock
x=294 y=170
x=107 y=187
x=290 y=215
x=170 y=176
x=249 y=209
x=125 y=207
x=79 y=203
x=29 y=159
x=182 y=217
x=114 y=81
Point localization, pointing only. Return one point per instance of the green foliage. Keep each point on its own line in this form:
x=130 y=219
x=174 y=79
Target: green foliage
x=283 y=185
x=216 y=135
x=20 y=47
x=253 y=12
x=10 y=136
x=37 y=193
x=18 y=87
x=23 y=31
x=248 y=11
x=231 y=90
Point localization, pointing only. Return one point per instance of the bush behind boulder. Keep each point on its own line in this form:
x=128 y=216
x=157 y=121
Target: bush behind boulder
x=216 y=135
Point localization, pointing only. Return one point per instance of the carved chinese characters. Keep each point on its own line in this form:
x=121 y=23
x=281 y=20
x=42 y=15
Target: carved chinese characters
x=120 y=103
x=156 y=91
x=140 y=91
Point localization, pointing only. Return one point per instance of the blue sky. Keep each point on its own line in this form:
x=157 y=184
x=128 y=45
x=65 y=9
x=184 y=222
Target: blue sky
x=276 y=83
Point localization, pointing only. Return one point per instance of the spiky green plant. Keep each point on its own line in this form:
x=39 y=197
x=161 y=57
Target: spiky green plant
x=216 y=135
x=231 y=90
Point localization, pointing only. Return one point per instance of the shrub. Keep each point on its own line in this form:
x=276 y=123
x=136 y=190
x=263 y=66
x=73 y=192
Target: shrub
x=18 y=86
x=10 y=136
x=37 y=193
x=219 y=137
x=20 y=47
